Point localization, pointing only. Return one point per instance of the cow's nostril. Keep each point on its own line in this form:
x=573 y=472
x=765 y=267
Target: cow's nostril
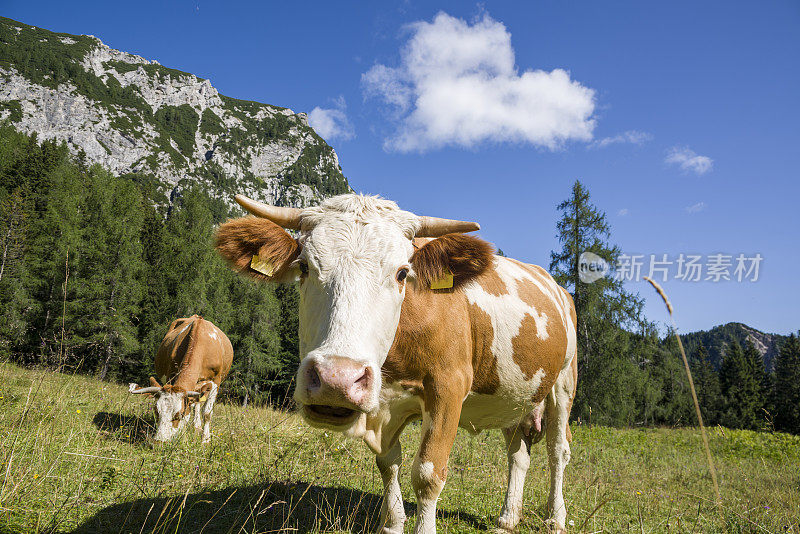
x=365 y=380
x=313 y=378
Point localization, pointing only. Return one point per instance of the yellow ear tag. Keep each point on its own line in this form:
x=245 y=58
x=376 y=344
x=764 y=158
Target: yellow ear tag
x=203 y=398
x=445 y=282
x=263 y=266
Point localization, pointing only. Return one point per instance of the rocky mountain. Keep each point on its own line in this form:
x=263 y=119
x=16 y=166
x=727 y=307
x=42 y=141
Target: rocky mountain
x=132 y=115
x=717 y=339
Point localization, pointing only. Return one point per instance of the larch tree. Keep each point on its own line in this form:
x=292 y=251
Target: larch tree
x=609 y=375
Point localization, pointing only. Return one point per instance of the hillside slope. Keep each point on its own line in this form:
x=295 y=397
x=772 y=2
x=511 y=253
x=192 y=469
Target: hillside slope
x=132 y=115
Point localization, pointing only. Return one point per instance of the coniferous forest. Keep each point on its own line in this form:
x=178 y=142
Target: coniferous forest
x=95 y=266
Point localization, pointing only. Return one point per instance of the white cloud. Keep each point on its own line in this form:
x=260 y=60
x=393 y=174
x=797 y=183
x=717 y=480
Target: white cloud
x=696 y=208
x=457 y=84
x=623 y=212
x=633 y=137
x=332 y=123
x=688 y=160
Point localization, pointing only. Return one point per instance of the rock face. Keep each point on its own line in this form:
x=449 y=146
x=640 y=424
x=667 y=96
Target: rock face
x=131 y=115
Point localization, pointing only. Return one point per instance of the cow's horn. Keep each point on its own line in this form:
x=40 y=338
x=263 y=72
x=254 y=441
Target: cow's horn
x=285 y=217
x=193 y=394
x=436 y=227
x=132 y=389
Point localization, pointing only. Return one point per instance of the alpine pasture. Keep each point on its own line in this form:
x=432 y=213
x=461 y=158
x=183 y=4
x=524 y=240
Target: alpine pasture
x=76 y=458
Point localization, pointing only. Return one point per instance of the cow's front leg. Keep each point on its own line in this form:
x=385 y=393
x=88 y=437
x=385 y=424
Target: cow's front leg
x=393 y=515
x=557 y=408
x=429 y=472
x=518 y=444
x=208 y=411
x=197 y=416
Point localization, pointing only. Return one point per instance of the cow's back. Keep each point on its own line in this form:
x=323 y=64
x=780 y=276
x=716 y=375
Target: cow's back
x=193 y=350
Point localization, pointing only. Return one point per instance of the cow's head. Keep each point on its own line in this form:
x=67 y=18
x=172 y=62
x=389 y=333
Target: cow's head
x=172 y=407
x=354 y=257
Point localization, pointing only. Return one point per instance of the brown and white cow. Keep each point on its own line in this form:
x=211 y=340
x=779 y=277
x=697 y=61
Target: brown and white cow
x=192 y=361
x=380 y=346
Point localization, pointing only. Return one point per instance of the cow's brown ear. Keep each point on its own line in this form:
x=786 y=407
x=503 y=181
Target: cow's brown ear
x=463 y=256
x=258 y=248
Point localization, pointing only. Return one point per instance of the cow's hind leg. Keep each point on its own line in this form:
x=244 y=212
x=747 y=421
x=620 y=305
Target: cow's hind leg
x=557 y=408
x=208 y=412
x=393 y=515
x=518 y=443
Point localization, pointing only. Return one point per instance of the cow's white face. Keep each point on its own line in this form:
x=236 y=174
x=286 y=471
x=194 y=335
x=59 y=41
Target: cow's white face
x=170 y=409
x=354 y=269
x=353 y=257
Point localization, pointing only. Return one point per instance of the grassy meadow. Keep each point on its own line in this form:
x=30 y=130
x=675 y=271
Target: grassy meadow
x=75 y=458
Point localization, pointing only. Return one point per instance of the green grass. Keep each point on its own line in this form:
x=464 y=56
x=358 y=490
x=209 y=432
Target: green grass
x=75 y=458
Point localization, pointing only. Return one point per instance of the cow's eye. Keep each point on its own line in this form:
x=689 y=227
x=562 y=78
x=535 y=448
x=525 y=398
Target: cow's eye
x=402 y=273
x=303 y=268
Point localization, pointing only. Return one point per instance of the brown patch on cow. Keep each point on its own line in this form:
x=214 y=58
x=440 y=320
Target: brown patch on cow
x=485 y=379
x=492 y=284
x=188 y=355
x=238 y=240
x=434 y=363
x=466 y=257
x=421 y=346
x=530 y=352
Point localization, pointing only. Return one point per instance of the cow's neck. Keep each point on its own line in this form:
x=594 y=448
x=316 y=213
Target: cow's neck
x=430 y=336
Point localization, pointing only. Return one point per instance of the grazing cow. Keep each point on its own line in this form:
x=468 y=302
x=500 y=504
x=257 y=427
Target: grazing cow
x=396 y=327
x=192 y=361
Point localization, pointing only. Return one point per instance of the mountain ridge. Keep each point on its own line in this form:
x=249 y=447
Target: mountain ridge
x=717 y=339
x=133 y=115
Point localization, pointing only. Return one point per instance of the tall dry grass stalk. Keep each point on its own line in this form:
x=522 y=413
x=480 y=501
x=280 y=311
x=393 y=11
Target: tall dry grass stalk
x=709 y=459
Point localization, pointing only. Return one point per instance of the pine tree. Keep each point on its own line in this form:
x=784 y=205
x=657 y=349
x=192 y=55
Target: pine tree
x=14 y=297
x=760 y=384
x=741 y=388
x=610 y=376
x=706 y=381
x=108 y=276
x=667 y=373
x=256 y=341
x=154 y=320
x=787 y=386
x=288 y=329
x=56 y=235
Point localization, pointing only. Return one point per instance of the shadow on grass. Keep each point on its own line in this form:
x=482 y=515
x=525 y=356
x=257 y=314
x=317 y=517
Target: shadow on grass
x=126 y=428
x=270 y=507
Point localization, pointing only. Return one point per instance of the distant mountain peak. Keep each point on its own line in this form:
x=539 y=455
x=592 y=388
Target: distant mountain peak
x=133 y=115
x=717 y=339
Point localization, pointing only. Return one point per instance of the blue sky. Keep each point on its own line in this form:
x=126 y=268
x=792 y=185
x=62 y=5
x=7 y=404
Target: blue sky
x=681 y=118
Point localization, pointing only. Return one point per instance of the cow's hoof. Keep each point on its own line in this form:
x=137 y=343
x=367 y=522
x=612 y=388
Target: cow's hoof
x=555 y=527
x=505 y=525
x=394 y=528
